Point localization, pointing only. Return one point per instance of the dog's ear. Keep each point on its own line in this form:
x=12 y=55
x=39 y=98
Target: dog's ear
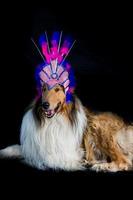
x=44 y=87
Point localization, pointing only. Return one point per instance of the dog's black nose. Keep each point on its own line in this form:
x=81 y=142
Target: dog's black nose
x=45 y=105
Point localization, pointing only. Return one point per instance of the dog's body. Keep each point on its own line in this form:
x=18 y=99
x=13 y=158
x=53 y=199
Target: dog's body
x=63 y=135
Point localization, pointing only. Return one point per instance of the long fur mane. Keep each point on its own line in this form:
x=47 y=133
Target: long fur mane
x=55 y=142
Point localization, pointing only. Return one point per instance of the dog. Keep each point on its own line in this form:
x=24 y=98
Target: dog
x=58 y=132
x=68 y=136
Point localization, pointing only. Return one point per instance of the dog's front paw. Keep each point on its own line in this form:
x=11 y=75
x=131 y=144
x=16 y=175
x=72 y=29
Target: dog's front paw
x=111 y=167
x=123 y=166
x=88 y=163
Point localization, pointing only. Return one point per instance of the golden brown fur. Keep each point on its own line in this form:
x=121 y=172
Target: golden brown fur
x=107 y=141
x=101 y=143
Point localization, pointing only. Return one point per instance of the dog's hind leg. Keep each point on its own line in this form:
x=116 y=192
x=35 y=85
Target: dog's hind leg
x=125 y=141
x=13 y=151
x=119 y=161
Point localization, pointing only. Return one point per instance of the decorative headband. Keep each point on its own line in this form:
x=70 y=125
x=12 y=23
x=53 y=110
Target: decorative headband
x=55 y=70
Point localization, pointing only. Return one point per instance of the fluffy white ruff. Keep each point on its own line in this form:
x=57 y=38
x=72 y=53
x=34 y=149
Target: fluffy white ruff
x=57 y=144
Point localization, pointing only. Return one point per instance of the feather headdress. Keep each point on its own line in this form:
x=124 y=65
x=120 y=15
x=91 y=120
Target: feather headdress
x=55 y=70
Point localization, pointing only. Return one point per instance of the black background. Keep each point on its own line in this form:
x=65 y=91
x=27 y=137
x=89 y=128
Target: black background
x=101 y=58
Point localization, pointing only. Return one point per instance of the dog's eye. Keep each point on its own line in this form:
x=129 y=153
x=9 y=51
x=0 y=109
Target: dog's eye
x=57 y=89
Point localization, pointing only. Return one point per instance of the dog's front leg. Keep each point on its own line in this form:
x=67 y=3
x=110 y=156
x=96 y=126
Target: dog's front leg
x=90 y=158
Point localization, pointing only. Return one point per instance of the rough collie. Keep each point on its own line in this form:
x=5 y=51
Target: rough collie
x=60 y=133
x=70 y=137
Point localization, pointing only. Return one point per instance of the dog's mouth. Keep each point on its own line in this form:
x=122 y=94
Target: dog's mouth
x=51 y=112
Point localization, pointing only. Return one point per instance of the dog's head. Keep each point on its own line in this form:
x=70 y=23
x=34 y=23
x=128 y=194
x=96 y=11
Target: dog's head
x=52 y=99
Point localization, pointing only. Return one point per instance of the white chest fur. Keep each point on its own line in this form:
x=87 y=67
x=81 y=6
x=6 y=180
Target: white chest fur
x=56 y=144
